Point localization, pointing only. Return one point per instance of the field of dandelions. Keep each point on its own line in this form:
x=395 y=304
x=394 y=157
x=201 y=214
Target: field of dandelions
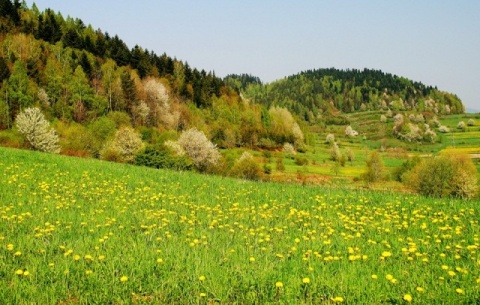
x=76 y=231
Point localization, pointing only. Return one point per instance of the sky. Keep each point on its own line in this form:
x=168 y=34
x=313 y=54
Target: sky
x=435 y=42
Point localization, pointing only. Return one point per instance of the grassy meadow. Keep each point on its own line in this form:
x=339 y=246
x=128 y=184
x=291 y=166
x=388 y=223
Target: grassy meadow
x=83 y=231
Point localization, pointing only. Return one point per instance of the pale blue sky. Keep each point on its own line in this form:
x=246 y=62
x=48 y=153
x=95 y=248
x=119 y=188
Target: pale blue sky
x=435 y=42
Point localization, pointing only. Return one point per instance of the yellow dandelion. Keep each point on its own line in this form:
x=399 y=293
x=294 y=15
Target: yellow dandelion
x=478 y=280
x=386 y=254
x=408 y=298
x=374 y=276
x=10 y=247
x=124 y=278
x=252 y=259
x=202 y=278
x=203 y=294
x=460 y=291
x=306 y=280
x=88 y=272
x=389 y=277
x=279 y=284
x=76 y=257
x=420 y=289
x=26 y=273
x=337 y=299
x=18 y=253
x=19 y=272
x=159 y=260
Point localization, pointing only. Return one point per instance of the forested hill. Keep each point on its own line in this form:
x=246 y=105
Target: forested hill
x=331 y=90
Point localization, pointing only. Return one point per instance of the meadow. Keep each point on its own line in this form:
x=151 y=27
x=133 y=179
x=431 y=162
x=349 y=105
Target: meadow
x=83 y=231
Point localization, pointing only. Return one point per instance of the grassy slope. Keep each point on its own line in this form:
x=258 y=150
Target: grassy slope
x=78 y=226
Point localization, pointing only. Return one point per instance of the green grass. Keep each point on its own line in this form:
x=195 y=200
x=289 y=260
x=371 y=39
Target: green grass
x=74 y=228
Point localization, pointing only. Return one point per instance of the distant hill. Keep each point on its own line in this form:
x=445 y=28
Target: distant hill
x=321 y=91
x=471 y=110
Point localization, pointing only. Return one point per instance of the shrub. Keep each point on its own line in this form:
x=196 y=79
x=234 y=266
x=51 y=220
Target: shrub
x=279 y=165
x=399 y=173
x=443 y=129
x=288 y=149
x=204 y=154
x=330 y=139
x=161 y=158
x=349 y=132
x=335 y=152
x=471 y=122
x=32 y=124
x=123 y=148
x=301 y=161
x=375 y=168
x=445 y=176
x=461 y=125
x=383 y=118
x=246 y=168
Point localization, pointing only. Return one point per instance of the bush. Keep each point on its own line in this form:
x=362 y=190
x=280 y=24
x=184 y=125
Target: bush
x=471 y=122
x=32 y=124
x=204 y=154
x=399 y=173
x=288 y=149
x=445 y=176
x=330 y=139
x=158 y=158
x=124 y=147
x=375 y=168
x=246 y=168
x=461 y=125
x=279 y=165
x=301 y=161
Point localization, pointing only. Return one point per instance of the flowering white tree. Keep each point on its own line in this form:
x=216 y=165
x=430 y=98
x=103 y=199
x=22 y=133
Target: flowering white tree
x=124 y=147
x=195 y=144
x=330 y=139
x=32 y=124
x=349 y=132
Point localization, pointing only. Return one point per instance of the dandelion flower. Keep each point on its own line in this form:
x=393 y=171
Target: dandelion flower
x=337 y=299
x=124 y=279
x=420 y=289
x=159 y=260
x=88 y=272
x=389 y=277
x=26 y=273
x=252 y=259
x=374 y=276
x=279 y=284
x=18 y=253
x=386 y=254
x=306 y=280
x=408 y=298
x=460 y=291
x=10 y=247
x=203 y=294
x=19 y=272
x=202 y=278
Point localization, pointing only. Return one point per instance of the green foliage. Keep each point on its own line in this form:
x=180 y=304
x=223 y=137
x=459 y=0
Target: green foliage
x=301 y=161
x=375 y=168
x=445 y=176
x=161 y=158
x=400 y=172
x=247 y=168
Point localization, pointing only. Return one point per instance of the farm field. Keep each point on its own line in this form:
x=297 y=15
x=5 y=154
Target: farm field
x=82 y=231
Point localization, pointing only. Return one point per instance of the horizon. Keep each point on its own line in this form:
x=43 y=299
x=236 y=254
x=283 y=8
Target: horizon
x=273 y=40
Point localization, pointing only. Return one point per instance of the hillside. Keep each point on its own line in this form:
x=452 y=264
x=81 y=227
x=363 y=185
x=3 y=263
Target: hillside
x=323 y=92
x=85 y=231
x=95 y=92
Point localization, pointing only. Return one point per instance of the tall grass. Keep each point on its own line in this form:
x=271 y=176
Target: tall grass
x=76 y=231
